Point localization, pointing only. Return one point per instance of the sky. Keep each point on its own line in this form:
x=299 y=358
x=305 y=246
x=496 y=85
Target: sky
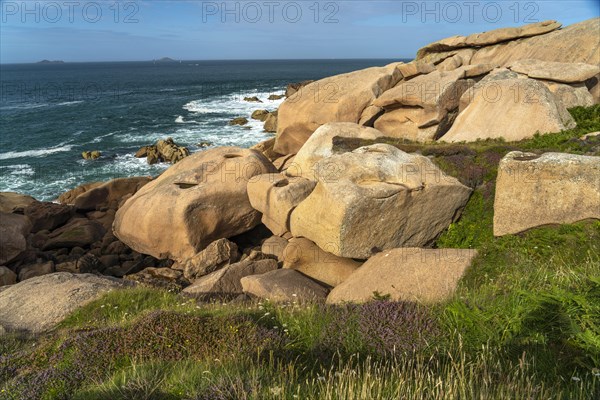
x=136 y=30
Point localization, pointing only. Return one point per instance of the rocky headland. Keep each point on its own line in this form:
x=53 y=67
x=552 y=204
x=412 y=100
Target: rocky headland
x=366 y=171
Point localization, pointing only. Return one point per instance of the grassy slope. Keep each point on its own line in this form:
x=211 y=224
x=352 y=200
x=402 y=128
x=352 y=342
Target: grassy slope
x=525 y=323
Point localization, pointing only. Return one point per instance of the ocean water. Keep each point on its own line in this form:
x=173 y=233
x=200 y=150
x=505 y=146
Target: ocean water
x=50 y=113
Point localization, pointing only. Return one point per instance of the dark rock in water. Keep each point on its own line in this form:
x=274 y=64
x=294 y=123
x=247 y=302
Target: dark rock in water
x=79 y=232
x=260 y=115
x=163 y=151
x=252 y=99
x=294 y=87
x=143 y=152
x=47 y=216
x=91 y=155
x=238 y=121
x=276 y=96
x=204 y=145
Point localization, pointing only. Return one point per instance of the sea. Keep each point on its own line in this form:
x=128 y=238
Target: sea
x=51 y=113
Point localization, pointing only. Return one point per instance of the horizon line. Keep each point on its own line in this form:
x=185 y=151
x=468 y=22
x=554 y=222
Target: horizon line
x=172 y=60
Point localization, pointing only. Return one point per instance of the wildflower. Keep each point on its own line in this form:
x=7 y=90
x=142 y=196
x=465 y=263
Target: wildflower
x=276 y=390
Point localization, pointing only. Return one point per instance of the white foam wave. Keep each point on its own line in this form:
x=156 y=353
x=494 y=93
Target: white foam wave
x=34 y=153
x=70 y=103
x=233 y=104
x=18 y=169
x=27 y=106
x=99 y=138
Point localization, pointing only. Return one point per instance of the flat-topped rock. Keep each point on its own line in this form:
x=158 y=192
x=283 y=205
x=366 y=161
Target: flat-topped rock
x=577 y=43
x=554 y=188
x=320 y=146
x=38 y=304
x=377 y=197
x=555 y=71
x=406 y=274
x=488 y=38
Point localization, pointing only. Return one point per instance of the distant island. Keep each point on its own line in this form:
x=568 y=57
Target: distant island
x=50 y=62
x=165 y=60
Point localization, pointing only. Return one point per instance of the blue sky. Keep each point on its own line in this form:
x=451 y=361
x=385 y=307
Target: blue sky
x=123 y=30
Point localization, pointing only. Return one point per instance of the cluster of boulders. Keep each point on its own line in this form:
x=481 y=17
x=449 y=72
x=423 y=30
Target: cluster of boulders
x=294 y=218
x=323 y=225
x=91 y=155
x=73 y=234
x=163 y=151
x=508 y=83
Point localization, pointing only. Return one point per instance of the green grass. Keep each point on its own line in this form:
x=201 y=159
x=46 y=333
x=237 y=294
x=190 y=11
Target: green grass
x=523 y=324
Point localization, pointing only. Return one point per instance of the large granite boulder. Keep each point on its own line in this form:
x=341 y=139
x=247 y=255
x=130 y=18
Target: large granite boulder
x=486 y=38
x=577 y=43
x=304 y=256
x=340 y=98
x=14 y=229
x=406 y=274
x=227 y=280
x=109 y=194
x=375 y=198
x=276 y=196
x=320 y=146
x=521 y=108
x=38 y=304
x=553 y=188
x=195 y=202
x=283 y=285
